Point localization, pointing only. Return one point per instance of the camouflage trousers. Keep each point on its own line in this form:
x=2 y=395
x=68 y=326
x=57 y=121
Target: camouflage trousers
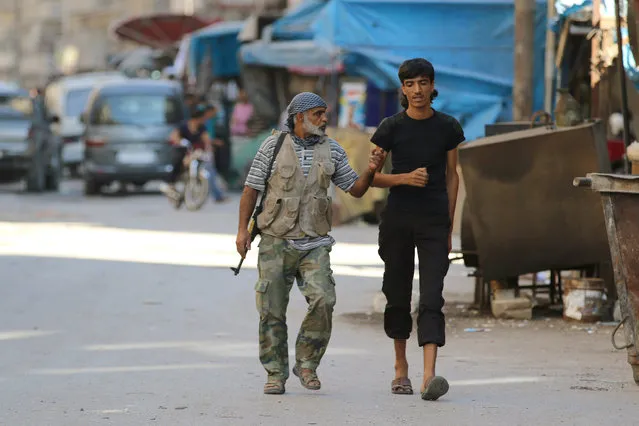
x=279 y=265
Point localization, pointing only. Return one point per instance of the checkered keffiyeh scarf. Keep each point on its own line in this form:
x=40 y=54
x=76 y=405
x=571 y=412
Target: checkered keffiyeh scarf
x=302 y=103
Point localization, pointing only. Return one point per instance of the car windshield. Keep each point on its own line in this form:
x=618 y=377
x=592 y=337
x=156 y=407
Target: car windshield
x=14 y=107
x=139 y=109
x=76 y=101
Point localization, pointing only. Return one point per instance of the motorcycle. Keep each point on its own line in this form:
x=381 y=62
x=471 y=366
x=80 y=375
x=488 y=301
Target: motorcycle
x=192 y=187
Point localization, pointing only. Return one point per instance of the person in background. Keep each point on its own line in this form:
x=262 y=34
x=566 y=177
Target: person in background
x=242 y=113
x=194 y=132
x=190 y=101
x=210 y=119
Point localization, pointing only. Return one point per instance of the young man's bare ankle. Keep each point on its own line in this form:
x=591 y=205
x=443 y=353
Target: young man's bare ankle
x=401 y=363
x=428 y=375
x=401 y=368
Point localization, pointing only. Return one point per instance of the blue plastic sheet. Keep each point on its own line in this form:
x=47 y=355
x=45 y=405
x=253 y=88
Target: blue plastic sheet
x=629 y=63
x=220 y=42
x=296 y=24
x=286 y=54
x=470 y=43
x=574 y=8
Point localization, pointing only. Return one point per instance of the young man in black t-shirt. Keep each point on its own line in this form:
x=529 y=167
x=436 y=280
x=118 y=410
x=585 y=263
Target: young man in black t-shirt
x=419 y=213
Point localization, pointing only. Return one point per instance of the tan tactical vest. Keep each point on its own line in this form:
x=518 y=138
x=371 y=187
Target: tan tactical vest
x=298 y=206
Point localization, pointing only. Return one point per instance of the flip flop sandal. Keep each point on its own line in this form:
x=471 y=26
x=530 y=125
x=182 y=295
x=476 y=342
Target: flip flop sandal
x=437 y=387
x=308 y=378
x=274 y=387
x=402 y=386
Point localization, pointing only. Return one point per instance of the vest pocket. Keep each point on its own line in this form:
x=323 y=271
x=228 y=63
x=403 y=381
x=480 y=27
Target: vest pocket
x=284 y=177
x=322 y=211
x=326 y=171
x=271 y=209
x=286 y=219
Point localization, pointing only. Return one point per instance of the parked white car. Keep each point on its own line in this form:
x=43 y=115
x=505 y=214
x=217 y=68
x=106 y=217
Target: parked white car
x=67 y=98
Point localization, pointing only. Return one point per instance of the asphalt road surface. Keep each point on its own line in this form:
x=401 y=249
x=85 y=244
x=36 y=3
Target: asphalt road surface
x=119 y=310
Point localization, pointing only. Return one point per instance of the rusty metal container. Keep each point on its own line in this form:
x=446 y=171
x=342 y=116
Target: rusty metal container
x=620 y=199
x=509 y=126
x=522 y=214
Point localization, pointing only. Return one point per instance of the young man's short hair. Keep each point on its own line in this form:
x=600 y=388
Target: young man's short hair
x=413 y=68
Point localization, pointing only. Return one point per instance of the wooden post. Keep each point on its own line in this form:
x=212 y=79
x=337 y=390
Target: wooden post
x=622 y=81
x=595 y=76
x=524 y=59
x=550 y=60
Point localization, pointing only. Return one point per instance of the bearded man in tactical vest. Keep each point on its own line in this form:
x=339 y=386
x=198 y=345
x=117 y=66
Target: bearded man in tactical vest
x=295 y=244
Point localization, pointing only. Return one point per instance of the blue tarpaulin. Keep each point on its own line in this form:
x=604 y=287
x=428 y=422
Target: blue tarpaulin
x=567 y=8
x=296 y=24
x=288 y=54
x=470 y=43
x=629 y=62
x=220 y=42
x=581 y=10
x=293 y=45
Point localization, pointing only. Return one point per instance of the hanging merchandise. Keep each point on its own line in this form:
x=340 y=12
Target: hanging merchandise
x=567 y=110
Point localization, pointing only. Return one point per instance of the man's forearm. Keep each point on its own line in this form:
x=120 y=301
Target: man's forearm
x=383 y=180
x=362 y=184
x=247 y=205
x=452 y=186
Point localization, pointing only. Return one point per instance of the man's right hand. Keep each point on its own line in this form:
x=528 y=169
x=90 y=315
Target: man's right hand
x=243 y=242
x=418 y=177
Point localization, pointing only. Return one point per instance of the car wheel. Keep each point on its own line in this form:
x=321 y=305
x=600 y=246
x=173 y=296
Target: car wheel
x=139 y=185
x=37 y=174
x=55 y=173
x=91 y=187
x=74 y=171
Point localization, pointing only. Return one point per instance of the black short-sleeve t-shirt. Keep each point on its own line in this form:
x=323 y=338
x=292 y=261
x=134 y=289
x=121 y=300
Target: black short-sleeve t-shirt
x=194 y=137
x=420 y=143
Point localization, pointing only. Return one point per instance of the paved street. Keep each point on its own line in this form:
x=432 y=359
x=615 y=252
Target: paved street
x=119 y=310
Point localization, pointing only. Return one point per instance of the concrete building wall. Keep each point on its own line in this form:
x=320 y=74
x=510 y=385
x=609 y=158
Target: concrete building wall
x=35 y=32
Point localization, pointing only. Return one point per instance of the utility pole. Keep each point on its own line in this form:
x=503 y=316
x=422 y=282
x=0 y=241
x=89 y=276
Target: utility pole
x=595 y=49
x=622 y=81
x=550 y=60
x=17 y=39
x=524 y=59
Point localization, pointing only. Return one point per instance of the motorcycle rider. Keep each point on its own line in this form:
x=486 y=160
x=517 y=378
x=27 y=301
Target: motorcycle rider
x=193 y=133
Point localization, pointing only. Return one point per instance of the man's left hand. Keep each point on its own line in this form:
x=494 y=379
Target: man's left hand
x=377 y=159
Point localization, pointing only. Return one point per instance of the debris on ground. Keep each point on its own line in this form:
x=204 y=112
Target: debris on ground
x=589 y=388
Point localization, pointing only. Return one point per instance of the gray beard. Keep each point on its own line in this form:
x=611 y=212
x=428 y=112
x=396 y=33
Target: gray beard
x=313 y=129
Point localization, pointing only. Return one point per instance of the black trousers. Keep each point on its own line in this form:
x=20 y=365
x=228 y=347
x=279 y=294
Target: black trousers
x=399 y=234
x=177 y=157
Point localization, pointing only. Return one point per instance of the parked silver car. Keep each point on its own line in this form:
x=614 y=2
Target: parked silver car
x=127 y=129
x=67 y=97
x=28 y=148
